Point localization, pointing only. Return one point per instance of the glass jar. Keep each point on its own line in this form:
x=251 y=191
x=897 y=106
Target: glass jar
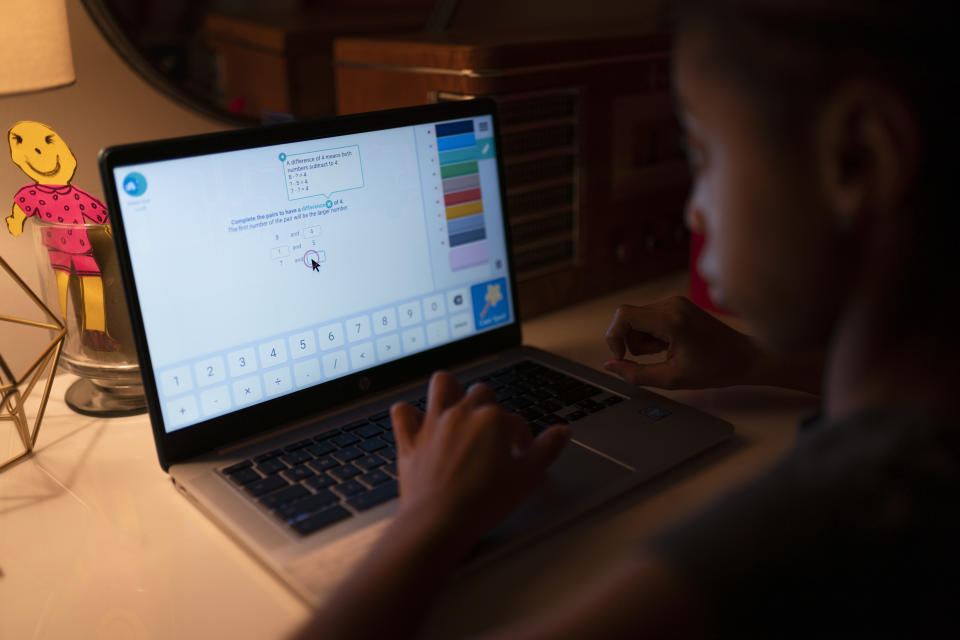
x=80 y=280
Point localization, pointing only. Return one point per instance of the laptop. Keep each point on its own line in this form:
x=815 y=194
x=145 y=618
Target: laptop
x=287 y=284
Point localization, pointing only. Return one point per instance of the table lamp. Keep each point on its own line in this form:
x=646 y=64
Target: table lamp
x=34 y=56
x=34 y=46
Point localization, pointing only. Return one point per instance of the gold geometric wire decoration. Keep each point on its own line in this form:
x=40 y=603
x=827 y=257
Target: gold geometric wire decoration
x=15 y=390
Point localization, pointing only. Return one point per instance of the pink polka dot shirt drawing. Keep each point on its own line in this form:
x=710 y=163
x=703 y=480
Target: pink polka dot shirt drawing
x=47 y=160
x=66 y=205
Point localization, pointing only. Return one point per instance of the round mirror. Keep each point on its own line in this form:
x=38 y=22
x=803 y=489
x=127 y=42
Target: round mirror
x=246 y=61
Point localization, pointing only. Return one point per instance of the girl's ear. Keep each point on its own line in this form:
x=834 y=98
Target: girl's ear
x=869 y=150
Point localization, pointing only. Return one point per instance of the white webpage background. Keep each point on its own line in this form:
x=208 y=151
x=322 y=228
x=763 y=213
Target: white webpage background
x=203 y=288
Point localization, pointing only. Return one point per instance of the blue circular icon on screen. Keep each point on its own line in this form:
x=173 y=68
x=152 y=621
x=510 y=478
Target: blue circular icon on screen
x=283 y=157
x=329 y=203
x=134 y=184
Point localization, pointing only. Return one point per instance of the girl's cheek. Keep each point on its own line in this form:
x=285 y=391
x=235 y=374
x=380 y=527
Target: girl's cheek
x=693 y=215
x=703 y=206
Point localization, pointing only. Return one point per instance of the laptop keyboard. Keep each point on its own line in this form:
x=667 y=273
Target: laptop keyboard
x=315 y=482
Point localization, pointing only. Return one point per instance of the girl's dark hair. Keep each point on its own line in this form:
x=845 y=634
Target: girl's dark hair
x=788 y=55
x=796 y=51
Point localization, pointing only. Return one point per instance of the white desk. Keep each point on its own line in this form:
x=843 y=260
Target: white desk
x=96 y=543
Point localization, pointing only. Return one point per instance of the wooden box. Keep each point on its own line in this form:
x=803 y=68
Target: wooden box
x=280 y=61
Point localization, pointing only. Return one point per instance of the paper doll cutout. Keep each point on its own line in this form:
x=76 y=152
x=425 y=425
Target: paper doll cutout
x=47 y=160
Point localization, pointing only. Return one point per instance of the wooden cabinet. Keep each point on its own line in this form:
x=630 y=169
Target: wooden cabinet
x=280 y=61
x=595 y=178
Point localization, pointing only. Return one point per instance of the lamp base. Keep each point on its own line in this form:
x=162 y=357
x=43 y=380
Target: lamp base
x=91 y=399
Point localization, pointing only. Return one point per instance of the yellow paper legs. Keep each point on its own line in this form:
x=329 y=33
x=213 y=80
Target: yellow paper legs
x=91 y=288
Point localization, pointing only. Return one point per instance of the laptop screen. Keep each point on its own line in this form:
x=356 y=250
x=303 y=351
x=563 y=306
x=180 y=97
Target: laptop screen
x=264 y=271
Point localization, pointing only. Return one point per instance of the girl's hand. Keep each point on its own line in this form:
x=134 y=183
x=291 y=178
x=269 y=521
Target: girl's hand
x=700 y=350
x=467 y=463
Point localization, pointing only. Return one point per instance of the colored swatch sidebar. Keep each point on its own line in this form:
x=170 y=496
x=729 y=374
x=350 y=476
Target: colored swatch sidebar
x=459 y=150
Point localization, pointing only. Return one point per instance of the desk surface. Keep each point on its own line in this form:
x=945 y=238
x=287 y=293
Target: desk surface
x=96 y=543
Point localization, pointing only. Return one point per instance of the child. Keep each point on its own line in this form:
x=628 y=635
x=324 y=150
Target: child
x=821 y=141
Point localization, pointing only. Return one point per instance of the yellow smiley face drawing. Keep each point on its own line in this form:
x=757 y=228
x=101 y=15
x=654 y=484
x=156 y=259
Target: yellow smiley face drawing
x=41 y=153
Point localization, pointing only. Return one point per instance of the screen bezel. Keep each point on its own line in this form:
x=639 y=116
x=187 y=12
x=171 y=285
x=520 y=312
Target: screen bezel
x=188 y=442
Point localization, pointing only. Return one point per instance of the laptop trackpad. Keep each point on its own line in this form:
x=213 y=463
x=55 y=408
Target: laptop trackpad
x=577 y=480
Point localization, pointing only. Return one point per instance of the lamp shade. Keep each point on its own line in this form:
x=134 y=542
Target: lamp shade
x=34 y=46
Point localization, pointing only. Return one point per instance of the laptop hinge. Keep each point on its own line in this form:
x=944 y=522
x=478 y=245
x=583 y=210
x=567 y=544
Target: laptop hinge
x=331 y=413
